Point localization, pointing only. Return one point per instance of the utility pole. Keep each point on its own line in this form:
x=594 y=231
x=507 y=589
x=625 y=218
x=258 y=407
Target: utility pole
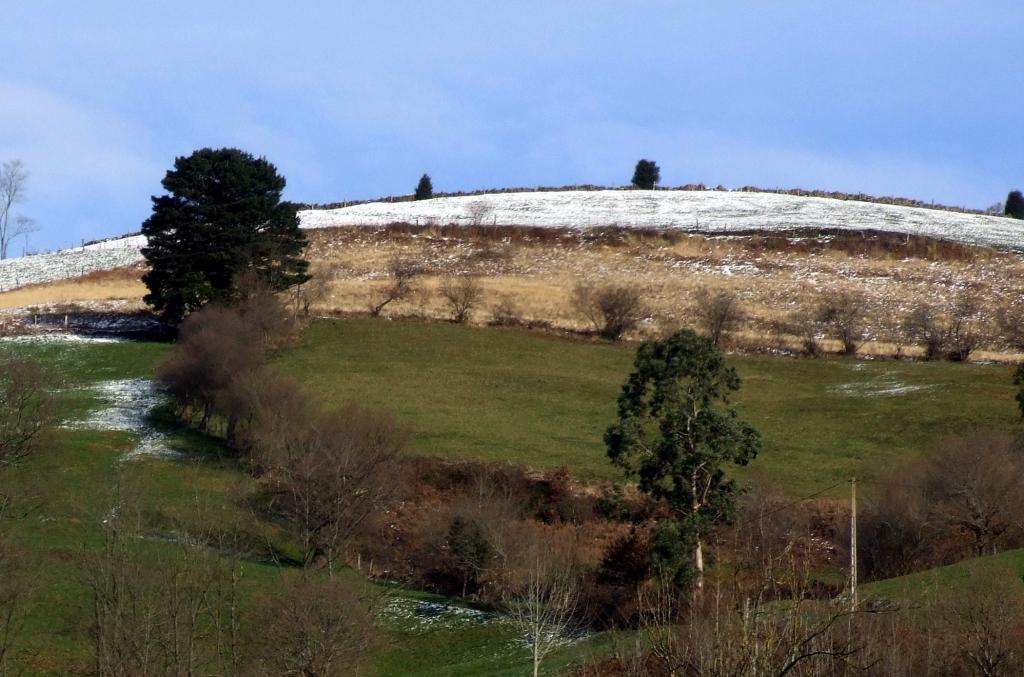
x=853 y=544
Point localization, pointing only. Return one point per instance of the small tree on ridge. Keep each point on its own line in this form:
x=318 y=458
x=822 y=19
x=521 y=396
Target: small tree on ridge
x=424 y=189
x=646 y=175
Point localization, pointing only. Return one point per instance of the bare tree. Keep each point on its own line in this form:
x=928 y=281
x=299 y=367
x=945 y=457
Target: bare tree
x=953 y=335
x=543 y=597
x=924 y=326
x=843 y=313
x=311 y=292
x=718 y=312
x=478 y=212
x=13 y=177
x=326 y=472
x=309 y=626
x=15 y=595
x=965 y=329
x=613 y=310
x=462 y=294
x=27 y=408
x=401 y=272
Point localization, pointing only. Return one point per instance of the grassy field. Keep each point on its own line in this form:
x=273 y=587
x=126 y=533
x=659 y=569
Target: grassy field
x=488 y=393
x=914 y=587
x=466 y=392
x=63 y=494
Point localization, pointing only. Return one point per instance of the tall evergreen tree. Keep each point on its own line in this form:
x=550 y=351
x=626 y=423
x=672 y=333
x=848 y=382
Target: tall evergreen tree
x=424 y=189
x=223 y=217
x=1015 y=205
x=646 y=175
x=675 y=433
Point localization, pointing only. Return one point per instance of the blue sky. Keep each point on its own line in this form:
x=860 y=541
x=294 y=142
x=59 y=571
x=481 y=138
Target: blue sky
x=356 y=100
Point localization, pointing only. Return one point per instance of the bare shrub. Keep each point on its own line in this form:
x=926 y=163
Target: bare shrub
x=218 y=345
x=963 y=500
x=309 y=626
x=16 y=590
x=170 y=613
x=479 y=211
x=613 y=310
x=326 y=472
x=965 y=327
x=953 y=335
x=310 y=293
x=808 y=328
x=983 y=626
x=973 y=485
x=28 y=408
x=462 y=294
x=401 y=274
x=506 y=313
x=718 y=312
x=843 y=313
x=924 y=326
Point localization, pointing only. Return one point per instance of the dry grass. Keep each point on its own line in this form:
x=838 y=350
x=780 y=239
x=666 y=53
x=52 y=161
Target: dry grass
x=534 y=270
x=121 y=284
x=776 y=277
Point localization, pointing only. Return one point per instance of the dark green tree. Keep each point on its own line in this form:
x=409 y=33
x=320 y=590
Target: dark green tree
x=223 y=218
x=646 y=175
x=675 y=433
x=424 y=189
x=1015 y=205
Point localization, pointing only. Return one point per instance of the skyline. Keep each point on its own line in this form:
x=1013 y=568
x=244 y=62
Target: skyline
x=355 y=102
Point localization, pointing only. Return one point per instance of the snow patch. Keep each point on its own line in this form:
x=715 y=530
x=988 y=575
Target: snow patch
x=128 y=403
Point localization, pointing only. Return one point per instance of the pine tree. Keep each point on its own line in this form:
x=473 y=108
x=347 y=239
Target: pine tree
x=424 y=189
x=646 y=175
x=1015 y=205
x=223 y=217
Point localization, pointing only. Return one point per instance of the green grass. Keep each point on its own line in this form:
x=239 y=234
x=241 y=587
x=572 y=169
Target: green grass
x=466 y=393
x=546 y=401
x=915 y=587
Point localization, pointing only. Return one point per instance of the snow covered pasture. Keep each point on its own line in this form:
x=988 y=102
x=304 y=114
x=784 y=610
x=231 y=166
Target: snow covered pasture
x=70 y=263
x=697 y=211
x=694 y=211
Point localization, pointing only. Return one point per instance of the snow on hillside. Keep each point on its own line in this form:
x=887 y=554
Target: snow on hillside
x=700 y=211
x=70 y=263
x=703 y=211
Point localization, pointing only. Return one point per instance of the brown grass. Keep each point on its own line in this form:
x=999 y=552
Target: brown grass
x=775 y=276
x=534 y=270
x=121 y=284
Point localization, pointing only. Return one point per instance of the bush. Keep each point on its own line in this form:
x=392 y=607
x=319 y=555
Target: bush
x=613 y=310
x=718 y=312
x=28 y=408
x=843 y=313
x=323 y=626
x=402 y=273
x=462 y=294
x=327 y=473
x=954 y=335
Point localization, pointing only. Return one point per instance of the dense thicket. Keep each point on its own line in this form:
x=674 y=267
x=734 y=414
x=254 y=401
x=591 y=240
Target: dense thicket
x=1015 y=204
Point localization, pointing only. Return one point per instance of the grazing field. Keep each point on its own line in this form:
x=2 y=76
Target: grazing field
x=62 y=497
x=508 y=395
x=487 y=393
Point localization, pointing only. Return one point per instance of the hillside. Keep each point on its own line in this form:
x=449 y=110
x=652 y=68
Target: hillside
x=688 y=211
x=691 y=211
